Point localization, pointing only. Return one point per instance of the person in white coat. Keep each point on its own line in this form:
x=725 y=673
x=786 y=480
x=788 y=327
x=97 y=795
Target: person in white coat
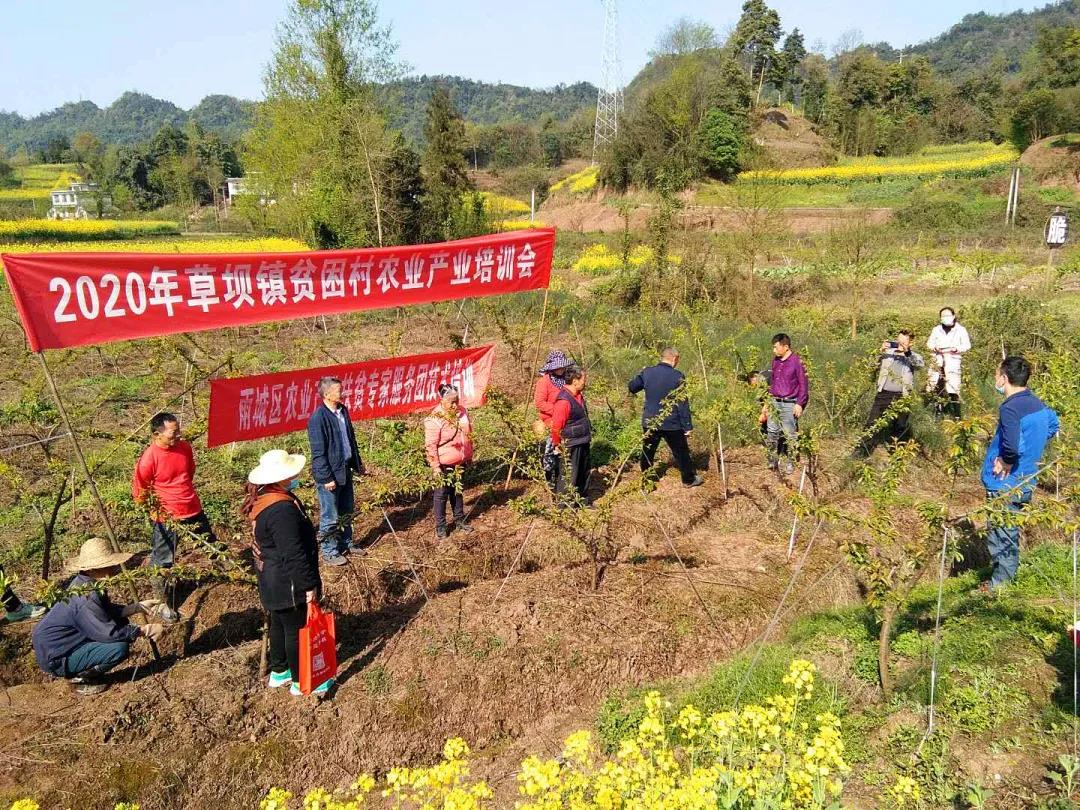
x=948 y=342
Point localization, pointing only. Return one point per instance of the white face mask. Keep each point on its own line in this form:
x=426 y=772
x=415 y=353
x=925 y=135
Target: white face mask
x=948 y=320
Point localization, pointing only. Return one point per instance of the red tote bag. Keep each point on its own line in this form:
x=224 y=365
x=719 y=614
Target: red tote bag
x=318 y=652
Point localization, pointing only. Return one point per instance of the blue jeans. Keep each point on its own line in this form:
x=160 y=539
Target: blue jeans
x=164 y=539
x=335 y=518
x=1003 y=542
x=782 y=425
x=101 y=656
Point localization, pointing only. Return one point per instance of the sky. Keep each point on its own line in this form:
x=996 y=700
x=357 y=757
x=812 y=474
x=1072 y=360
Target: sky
x=72 y=50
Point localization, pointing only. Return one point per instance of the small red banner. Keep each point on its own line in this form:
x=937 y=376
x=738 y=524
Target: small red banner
x=245 y=408
x=79 y=299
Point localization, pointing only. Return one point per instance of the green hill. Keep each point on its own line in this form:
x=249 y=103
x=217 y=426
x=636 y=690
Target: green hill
x=981 y=41
x=135 y=117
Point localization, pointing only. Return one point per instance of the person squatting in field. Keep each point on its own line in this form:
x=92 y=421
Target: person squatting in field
x=84 y=636
x=449 y=449
x=665 y=418
x=165 y=472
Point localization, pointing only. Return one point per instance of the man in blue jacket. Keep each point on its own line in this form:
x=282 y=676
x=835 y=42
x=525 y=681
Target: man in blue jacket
x=666 y=415
x=84 y=636
x=1025 y=427
x=335 y=461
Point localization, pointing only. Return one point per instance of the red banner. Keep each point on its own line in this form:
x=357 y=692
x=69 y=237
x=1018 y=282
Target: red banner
x=244 y=408
x=76 y=299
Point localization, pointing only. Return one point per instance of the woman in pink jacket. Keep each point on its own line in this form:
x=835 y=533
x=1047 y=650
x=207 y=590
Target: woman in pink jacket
x=448 y=442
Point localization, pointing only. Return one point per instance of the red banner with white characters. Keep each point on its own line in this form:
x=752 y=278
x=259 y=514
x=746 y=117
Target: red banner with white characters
x=79 y=299
x=244 y=408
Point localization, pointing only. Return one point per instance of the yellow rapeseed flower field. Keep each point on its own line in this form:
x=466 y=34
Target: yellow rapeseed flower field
x=580 y=182
x=967 y=160
x=225 y=245
x=83 y=229
x=501 y=204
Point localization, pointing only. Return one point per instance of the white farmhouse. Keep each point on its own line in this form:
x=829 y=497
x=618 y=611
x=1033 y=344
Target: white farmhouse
x=80 y=201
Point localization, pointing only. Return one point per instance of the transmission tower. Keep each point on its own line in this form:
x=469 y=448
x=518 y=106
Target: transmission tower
x=609 y=98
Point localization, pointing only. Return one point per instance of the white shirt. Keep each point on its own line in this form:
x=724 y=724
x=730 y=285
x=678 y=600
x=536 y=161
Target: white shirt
x=945 y=361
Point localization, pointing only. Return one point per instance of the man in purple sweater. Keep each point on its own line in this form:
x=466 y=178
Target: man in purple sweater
x=789 y=392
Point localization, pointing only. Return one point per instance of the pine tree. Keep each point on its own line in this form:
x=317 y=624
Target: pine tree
x=755 y=38
x=443 y=162
x=787 y=74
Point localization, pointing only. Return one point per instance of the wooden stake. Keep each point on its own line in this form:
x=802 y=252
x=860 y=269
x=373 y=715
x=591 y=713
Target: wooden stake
x=723 y=466
x=113 y=542
x=79 y=454
x=795 y=522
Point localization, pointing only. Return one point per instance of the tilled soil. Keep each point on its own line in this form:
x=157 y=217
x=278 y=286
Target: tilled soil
x=512 y=663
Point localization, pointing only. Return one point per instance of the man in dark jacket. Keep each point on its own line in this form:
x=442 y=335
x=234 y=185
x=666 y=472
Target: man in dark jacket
x=571 y=437
x=666 y=415
x=86 y=635
x=335 y=460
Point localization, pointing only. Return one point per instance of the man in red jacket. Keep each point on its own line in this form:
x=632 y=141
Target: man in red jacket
x=167 y=470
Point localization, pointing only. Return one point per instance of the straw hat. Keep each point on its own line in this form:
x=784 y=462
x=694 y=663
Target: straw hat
x=275 y=466
x=95 y=554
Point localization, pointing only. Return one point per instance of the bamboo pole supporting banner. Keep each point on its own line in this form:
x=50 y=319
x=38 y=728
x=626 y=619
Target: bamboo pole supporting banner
x=99 y=504
x=535 y=360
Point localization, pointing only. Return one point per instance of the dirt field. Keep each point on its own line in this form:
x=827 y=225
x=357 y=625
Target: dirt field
x=512 y=664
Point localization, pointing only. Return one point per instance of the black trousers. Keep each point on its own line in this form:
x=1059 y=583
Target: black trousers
x=896 y=428
x=576 y=474
x=285 y=628
x=448 y=492
x=680 y=451
x=9 y=600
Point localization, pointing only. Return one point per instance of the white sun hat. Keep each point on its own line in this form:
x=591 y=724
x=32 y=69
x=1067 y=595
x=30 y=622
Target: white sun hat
x=275 y=466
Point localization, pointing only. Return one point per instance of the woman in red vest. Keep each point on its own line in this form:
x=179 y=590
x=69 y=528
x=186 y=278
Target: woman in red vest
x=551 y=380
x=449 y=447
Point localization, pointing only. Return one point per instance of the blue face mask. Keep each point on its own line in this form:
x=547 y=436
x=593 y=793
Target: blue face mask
x=292 y=485
x=999 y=388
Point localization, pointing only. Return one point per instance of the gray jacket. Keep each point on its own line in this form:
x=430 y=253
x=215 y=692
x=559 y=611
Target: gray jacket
x=896 y=372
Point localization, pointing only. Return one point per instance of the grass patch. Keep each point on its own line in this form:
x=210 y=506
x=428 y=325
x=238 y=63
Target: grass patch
x=1005 y=671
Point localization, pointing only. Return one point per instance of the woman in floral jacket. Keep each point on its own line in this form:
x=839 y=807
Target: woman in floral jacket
x=449 y=447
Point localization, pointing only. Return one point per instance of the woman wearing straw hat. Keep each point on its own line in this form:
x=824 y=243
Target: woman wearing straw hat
x=286 y=560
x=82 y=638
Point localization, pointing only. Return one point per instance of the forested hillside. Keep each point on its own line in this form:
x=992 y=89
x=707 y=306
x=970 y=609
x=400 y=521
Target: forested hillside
x=981 y=41
x=135 y=117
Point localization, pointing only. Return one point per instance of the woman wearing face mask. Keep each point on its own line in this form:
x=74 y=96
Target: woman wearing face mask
x=948 y=341
x=286 y=560
x=448 y=444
